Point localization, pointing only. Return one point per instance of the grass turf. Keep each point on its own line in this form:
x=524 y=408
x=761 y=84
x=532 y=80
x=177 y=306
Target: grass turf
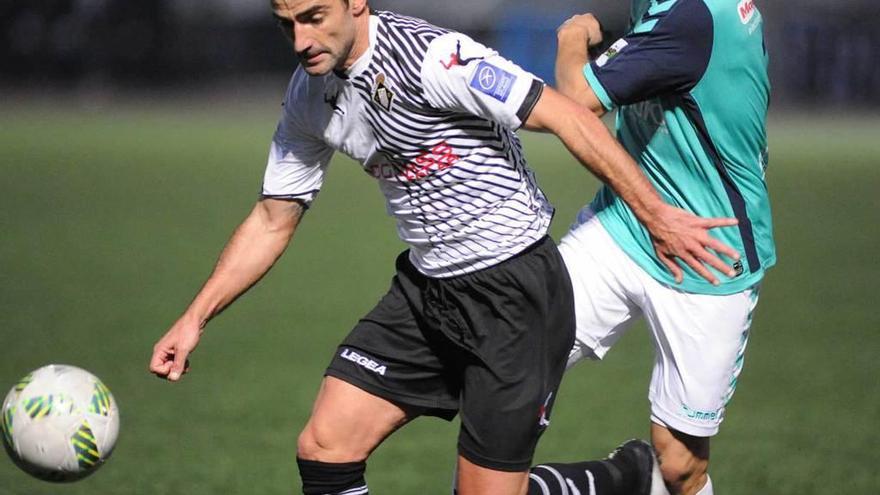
x=111 y=221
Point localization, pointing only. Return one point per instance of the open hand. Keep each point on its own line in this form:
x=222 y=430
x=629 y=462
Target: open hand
x=683 y=235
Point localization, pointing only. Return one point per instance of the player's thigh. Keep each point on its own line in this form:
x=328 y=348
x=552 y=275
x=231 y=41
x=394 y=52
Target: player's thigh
x=394 y=354
x=516 y=324
x=605 y=283
x=478 y=480
x=347 y=423
x=700 y=342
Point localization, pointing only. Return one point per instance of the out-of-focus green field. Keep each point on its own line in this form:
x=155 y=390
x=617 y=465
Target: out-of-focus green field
x=111 y=220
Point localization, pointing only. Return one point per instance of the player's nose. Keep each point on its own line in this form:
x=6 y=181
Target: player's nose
x=303 y=43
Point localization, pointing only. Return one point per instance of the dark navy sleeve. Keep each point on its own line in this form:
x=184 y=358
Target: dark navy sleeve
x=666 y=53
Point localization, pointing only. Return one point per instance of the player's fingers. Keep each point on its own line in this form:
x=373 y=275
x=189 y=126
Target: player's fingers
x=700 y=268
x=160 y=363
x=179 y=366
x=711 y=223
x=706 y=257
x=721 y=248
x=672 y=266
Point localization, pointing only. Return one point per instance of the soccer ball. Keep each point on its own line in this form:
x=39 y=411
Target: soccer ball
x=59 y=423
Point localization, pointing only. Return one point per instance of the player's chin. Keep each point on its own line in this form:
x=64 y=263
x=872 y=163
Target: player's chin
x=318 y=66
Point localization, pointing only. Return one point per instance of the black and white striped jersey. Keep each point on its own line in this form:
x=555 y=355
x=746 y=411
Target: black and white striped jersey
x=430 y=114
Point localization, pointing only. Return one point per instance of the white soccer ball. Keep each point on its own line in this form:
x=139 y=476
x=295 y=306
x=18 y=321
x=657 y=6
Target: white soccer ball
x=59 y=423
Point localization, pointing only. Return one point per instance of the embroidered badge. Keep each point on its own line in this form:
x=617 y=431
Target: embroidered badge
x=382 y=95
x=493 y=81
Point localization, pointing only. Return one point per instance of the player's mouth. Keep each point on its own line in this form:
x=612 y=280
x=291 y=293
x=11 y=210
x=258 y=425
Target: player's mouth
x=311 y=59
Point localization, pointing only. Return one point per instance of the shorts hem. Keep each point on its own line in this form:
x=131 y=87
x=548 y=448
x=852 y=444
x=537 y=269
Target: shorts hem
x=430 y=407
x=678 y=424
x=495 y=464
x=591 y=349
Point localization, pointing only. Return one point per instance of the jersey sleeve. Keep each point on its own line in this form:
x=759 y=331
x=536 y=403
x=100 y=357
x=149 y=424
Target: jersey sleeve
x=460 y=74
x=667 y=53
x=298 y=159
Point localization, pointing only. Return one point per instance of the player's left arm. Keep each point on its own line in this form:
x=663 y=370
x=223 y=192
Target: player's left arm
x=676 y=233
x=459 y=74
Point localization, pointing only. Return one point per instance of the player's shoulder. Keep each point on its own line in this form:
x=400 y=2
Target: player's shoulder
x=303 y=87
x=409 y=26
x=676 y=19
x=304 y=100
x=454 y=51
x=305 y=92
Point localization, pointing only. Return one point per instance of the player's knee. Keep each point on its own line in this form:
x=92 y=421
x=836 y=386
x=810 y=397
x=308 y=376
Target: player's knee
x=684 y=459
x=682 y=469
x=317 y=445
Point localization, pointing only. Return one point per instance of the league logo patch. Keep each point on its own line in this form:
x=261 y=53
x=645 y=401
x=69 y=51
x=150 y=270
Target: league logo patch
x=382 y=95
x=493 y=81
x=612 y=52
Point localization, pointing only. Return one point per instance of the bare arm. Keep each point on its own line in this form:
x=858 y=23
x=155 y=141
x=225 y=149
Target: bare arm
x=574 y=38
x=251 y=251
x=675 y=232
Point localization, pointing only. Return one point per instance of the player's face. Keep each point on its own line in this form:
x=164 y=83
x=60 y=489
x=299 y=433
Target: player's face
x=322 y=31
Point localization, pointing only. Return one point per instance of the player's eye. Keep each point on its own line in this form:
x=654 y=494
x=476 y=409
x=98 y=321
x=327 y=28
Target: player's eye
x=285 y=24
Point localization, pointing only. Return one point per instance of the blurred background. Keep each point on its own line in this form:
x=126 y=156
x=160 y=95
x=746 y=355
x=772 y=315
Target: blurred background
x=133 y=138
x=825 y=53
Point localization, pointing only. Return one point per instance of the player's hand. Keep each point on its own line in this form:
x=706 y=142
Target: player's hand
x=680 y=234
x=170 y=353
x=583 y=25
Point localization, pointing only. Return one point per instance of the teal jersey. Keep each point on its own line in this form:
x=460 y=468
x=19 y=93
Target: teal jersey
x=690 y=81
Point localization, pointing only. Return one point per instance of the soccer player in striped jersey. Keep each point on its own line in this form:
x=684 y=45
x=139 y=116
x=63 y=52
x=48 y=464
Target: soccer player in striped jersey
x=690 y=84
x=479 y=319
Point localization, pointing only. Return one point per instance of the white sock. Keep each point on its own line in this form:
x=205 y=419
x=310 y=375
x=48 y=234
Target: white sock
x=707 y=488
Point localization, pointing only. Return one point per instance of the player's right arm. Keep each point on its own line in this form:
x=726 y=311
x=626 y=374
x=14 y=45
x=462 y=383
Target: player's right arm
x=251 y=251
x=297 y=162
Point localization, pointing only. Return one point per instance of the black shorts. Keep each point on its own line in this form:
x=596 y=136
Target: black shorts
x=491 y=345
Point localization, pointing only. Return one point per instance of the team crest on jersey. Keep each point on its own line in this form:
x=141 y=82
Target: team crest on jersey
x=382 y=95
x=612 y=52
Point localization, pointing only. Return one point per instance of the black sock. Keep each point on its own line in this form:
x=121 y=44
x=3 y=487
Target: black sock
x=608 y=477
x=321 y=478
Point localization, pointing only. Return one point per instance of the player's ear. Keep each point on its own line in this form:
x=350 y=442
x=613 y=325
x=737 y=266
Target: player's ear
x=358 y=7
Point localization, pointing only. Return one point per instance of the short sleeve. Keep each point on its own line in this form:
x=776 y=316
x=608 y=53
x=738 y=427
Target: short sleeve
x=298 y=159
x=667 y=53
x=462 y=75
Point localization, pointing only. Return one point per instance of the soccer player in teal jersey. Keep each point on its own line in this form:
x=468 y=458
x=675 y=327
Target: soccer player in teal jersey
x=690 y=83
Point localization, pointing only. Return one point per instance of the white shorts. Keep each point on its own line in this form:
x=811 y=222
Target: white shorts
x=699 y=340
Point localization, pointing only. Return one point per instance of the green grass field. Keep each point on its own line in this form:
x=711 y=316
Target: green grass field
x=111 y=221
